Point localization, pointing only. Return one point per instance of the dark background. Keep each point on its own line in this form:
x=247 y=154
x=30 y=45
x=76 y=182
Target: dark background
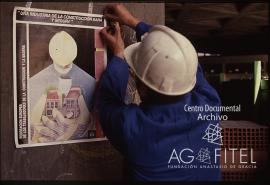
x=232 y=35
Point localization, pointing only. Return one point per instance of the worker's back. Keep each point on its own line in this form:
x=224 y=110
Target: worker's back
x=162 y=141
x=165 y=142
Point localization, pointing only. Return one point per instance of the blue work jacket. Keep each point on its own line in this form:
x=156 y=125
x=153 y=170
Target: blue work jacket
x=161 y=142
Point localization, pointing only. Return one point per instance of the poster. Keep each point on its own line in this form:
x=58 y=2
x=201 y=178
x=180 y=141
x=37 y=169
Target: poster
x=58 y=57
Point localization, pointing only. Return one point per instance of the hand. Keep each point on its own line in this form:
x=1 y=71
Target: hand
x=60 y=128
x=119 y=13
x=37 y=110
x=114 y=40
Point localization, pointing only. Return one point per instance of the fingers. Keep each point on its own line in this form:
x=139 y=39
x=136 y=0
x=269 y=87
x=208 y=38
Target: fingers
x=37 y=110
x=58 y=128
x=118 y=12
x=44 y=139
x=69 y=133
x=114 y=12
x=117 y=29
x=60 y=119
x=82 y=103
x=52 y=130
x=58 y=116
x=45 y=131
x=106 y=35
x=117 y=26
x=114 y=41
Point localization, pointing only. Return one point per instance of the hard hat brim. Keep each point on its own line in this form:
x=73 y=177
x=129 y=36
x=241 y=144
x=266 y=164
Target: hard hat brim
x=131 y=55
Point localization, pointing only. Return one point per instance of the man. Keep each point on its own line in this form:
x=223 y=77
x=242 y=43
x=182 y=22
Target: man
x=61 y=95
x=62 y=73
x=160 y=138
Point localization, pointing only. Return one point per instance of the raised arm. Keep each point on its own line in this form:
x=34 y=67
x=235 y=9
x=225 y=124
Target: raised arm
x=112 y=89
x=119 y=13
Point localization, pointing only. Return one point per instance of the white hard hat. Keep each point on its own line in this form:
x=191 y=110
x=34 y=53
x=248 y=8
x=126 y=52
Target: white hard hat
x=62 y=48
x=165 y=61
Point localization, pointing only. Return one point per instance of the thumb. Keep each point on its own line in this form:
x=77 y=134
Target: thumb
x=117 y=29
x=84 y=112
x=59 y=129
x=37 y=110
x=106 y=35
x=82 y=105
x=58 y=116
x=117 y=26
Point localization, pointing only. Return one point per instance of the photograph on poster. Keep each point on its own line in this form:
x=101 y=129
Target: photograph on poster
x=56 y=64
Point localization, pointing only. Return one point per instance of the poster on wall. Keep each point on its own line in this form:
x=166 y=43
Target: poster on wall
x=58 y=58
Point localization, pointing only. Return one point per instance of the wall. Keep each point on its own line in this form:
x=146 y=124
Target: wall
x=84 y=161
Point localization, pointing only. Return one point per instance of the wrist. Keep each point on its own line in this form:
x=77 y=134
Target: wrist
x=133 y=22
x=120 y=55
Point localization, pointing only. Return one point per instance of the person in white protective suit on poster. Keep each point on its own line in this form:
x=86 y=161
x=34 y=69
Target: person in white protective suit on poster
x=61 y=95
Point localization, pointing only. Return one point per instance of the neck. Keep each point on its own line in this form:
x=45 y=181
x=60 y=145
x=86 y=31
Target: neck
x=61 y=70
